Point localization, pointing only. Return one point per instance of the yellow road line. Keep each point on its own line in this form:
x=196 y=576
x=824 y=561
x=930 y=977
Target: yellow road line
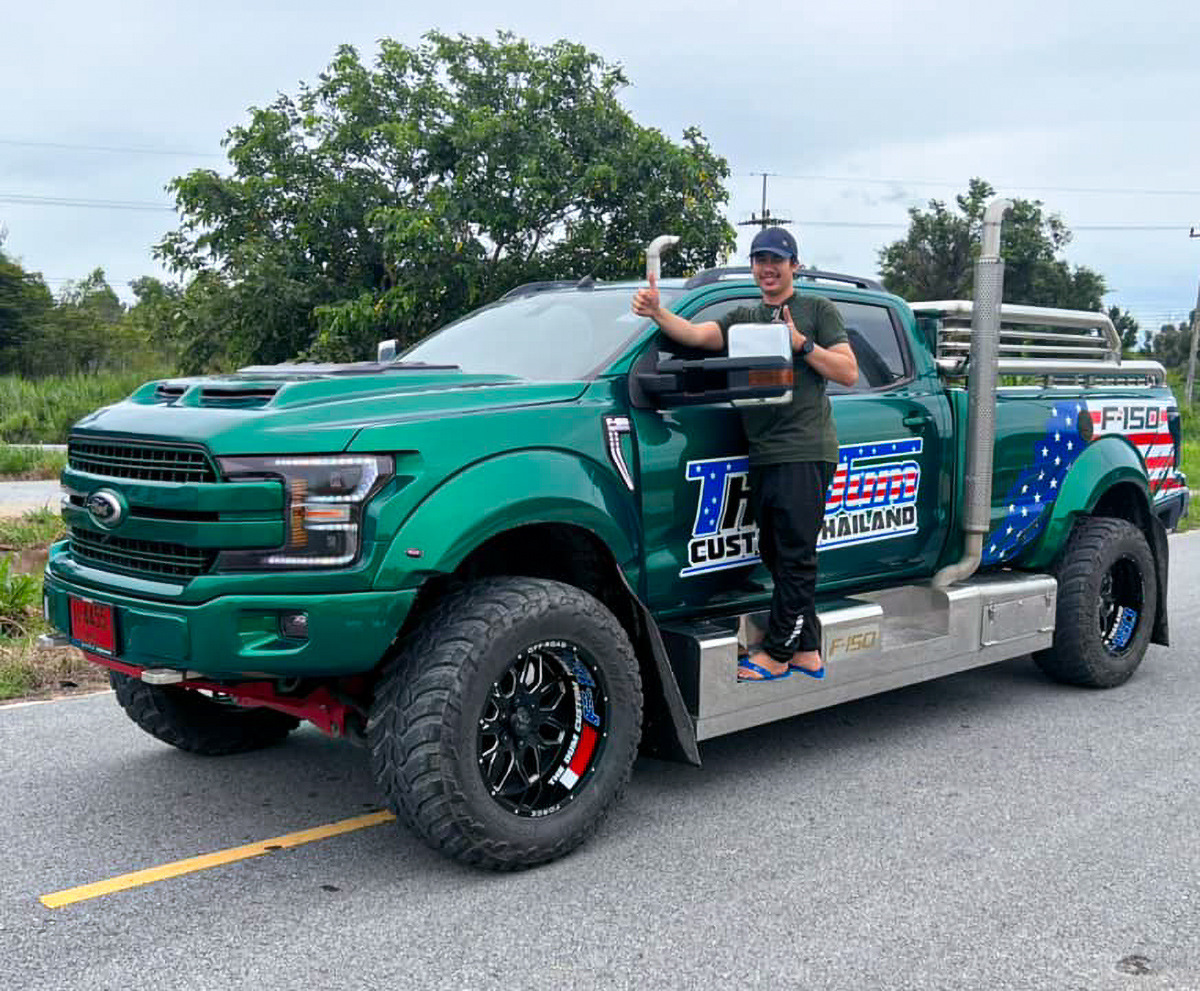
x=151 y=874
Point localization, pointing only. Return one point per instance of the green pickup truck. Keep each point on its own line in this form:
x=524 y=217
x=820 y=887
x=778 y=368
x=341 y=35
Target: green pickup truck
x=519 y=552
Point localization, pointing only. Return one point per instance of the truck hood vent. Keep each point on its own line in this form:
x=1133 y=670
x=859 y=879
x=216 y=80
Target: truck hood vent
x=234 y=398
x=166 y=393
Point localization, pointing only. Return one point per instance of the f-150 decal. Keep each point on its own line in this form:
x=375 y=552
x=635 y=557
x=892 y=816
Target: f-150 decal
x=1146 y=425
x=873 y=496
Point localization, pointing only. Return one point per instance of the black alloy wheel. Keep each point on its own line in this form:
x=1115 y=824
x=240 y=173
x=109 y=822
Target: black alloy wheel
x=543 y=728
x=505 y=726
x=1120 y=605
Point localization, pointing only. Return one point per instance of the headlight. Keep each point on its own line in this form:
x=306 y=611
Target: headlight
x=325 y=500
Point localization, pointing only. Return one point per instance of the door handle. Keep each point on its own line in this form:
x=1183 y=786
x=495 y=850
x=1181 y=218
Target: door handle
x=916 y=419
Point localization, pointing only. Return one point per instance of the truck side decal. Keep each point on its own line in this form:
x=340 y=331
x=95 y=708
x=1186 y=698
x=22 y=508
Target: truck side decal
x=1036 y=488
x=873 y=496
x=1070 y=426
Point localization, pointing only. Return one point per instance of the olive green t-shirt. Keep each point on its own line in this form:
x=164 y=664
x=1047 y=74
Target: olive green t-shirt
x=803 y=429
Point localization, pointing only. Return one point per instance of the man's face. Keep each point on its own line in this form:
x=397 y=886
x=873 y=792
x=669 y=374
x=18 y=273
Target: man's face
x=772 y=273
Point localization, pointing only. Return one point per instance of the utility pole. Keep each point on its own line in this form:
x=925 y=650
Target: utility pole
x=1195 y=331
x=765 y=220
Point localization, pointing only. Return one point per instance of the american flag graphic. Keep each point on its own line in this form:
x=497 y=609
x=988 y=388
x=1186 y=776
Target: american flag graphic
x=713 y=474
x=891 y=483
x=1028 y=502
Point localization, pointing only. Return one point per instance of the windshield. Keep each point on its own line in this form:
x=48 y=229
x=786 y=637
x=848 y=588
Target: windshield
x=552 y=336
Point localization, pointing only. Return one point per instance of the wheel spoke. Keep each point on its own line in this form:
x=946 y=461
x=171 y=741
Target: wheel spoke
x=526 y=726
x=552 y=696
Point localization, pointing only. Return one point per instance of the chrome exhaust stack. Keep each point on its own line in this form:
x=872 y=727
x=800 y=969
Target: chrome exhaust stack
x=981 y=390
x=654 y=254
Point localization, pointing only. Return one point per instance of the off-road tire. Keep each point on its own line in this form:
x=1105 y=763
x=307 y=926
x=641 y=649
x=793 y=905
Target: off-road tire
x=425 y=731
x=1084 y=651
x=186 y=719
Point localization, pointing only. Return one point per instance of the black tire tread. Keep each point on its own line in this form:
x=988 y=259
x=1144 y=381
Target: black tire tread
x=420 y=693
x=190 y=721
x=1069 y=659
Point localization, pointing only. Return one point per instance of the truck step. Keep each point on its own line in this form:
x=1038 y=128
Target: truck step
x=871 y=642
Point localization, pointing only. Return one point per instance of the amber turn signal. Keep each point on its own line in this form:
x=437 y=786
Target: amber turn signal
x=764 y=377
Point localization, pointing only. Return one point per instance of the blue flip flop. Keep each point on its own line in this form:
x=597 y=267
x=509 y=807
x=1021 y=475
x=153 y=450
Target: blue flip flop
x=765 y=675
x=818 y=674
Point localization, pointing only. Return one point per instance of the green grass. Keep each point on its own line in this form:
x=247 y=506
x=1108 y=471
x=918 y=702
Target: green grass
x=41 y=411
x=22 y=463
x=36 y=528
x=26 y=669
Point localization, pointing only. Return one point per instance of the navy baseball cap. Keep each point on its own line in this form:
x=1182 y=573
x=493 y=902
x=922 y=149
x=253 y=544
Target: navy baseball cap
x=777 y=241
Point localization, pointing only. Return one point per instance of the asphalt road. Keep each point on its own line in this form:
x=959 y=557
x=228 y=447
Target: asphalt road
x=990 y=830
x=17 y=497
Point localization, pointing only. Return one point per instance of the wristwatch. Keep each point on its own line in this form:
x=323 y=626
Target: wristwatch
x=806 y=348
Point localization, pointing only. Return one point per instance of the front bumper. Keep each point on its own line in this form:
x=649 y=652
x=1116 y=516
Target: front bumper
x=238 y=636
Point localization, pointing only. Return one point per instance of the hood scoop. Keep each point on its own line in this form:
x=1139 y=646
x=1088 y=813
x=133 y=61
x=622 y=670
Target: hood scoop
x=232 y=397
x=165 y=392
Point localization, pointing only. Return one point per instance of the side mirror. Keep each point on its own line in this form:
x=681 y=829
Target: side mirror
x=757 y=370
x=385 y=350
x=772 y=341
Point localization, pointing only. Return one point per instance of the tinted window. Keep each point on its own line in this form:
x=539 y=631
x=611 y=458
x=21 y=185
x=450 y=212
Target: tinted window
x=548 y=335
x=870 y=330
x=713 y=311
x=876 y=346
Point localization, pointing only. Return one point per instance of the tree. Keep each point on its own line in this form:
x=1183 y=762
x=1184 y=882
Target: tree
x=385 y=200
x=1127 y=327
x=1172 y=344
x=82 y=333
x=935 y=259
x=25 y=303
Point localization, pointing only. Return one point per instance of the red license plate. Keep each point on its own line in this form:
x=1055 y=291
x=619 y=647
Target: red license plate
x=92 y=625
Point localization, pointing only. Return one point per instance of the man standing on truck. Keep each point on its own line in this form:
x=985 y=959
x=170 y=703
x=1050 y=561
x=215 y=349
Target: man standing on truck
x=793 y=447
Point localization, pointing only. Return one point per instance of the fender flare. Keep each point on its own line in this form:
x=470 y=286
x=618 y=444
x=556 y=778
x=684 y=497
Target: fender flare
x=1104 y=465
x=1106 y=462
x=569 y=489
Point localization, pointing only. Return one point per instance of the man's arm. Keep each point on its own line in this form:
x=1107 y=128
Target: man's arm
x=836 y=362
x=698 y=335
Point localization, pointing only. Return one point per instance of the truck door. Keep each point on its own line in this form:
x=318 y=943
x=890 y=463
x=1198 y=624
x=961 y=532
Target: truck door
x=888 y=504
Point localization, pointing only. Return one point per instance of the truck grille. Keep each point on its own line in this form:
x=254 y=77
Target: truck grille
x=141 y=461
x=140 y=557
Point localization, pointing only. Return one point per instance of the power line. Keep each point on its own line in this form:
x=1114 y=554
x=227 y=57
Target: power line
x=1133 y=191
x=22 y=200
x=119 y=149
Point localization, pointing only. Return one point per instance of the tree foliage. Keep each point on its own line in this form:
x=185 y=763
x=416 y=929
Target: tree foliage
x=1172 y=344
x=86 y=329
x=25 y=302
x=386 y=199
x=935 y=259
x=1127 y=327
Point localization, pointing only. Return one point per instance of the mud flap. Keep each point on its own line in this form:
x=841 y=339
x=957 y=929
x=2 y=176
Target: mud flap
x=1158 y=545
x=668 y=731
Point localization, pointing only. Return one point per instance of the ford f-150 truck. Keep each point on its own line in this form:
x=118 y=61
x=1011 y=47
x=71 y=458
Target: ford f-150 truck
x=522 y=550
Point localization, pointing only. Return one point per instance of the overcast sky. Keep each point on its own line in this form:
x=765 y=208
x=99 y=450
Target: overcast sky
x=859 y=109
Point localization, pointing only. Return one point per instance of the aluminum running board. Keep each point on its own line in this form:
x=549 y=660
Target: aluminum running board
x=872 y=642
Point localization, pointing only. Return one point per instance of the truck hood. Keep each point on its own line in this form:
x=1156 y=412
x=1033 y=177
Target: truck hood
x=307 y=408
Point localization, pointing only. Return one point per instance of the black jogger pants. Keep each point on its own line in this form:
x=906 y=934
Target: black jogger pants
x=788 y=501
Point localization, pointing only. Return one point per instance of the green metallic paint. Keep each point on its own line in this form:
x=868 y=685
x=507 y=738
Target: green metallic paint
x=495 y=496
x=246 y=498
x=215 y=534
x=230 y=637
x=335 y=409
